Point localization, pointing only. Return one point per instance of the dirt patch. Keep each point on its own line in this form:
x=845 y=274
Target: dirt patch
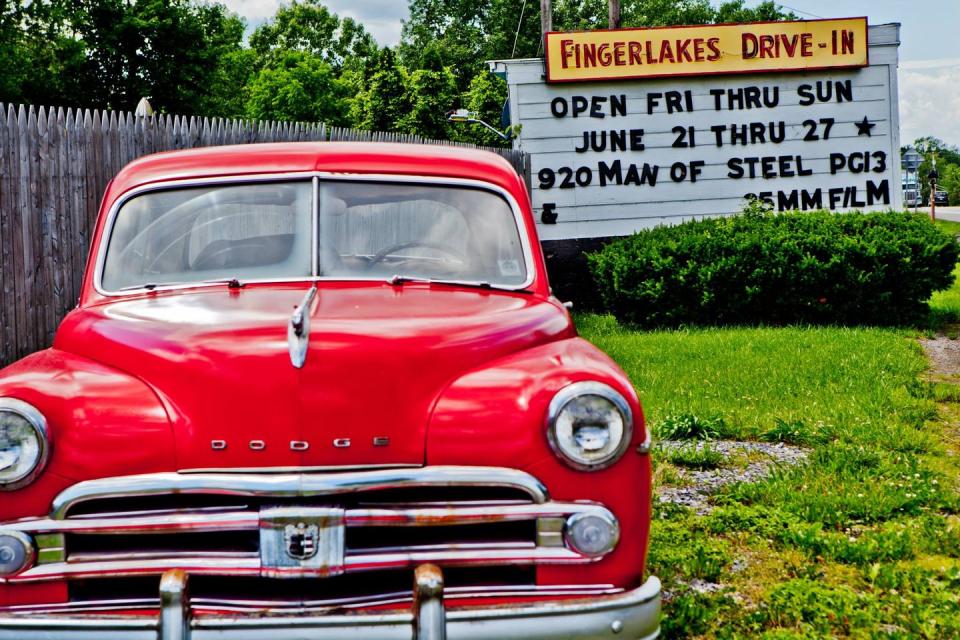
x=943 y=354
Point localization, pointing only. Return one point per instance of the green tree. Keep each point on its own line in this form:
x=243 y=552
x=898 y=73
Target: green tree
x=167 y=50
x=308 y=26
x=950 y=182
x=485 y=98
x=229 y=88
x=469 y=32
x=41 y=62
x=299 y=87
x=383 y=99
x=431 y=95
x=947 y=155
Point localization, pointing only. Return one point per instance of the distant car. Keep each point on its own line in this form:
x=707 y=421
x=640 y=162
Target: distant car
x=911 y=198
x=312 y=377
x=940 y=197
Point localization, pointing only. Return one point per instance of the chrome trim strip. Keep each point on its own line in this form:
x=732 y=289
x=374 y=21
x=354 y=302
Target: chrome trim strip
x=317 y=469
x=124 y=556
x=315 y=229
x=293 y=485
x=267 y=606
x=166 y=523
x=455 y=515
x=318 y=176
x=248 y=520
x=252 y=566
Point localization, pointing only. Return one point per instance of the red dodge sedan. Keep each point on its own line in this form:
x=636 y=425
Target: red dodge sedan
x=321 y=390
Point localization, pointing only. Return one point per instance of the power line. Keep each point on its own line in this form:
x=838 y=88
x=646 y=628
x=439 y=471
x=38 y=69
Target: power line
x=806 y=13
x=519 y=24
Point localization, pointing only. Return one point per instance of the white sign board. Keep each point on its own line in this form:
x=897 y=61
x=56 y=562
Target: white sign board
x=610 y=158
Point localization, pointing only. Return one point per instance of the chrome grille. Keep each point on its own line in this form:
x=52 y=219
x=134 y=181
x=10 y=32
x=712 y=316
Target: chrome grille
x=491 y=525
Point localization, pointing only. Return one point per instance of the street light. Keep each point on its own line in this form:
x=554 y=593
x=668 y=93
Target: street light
x=467 y=117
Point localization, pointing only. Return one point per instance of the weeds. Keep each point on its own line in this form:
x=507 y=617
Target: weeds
x=687 y=426
x=862 y=541
x=702 y=457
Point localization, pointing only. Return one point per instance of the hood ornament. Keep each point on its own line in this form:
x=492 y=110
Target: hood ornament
x=298 y=331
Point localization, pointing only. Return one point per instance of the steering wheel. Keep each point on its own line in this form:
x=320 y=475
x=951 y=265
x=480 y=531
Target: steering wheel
x=383 y=254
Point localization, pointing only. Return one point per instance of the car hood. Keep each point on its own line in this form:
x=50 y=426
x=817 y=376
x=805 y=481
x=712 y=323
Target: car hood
x=378 y=358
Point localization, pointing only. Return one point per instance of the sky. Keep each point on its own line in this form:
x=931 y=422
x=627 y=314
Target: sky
x=929 y=55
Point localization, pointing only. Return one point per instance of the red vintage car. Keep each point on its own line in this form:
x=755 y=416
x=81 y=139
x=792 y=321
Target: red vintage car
x=321 y=390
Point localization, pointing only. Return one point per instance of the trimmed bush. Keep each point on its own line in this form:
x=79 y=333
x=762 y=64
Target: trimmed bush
x=763 y=268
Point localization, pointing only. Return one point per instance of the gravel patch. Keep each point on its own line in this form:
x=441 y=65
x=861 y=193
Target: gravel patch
x=943 y=354
x=704 y=483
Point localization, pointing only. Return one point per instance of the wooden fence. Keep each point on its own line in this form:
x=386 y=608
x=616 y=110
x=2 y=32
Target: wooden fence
x=54 y=167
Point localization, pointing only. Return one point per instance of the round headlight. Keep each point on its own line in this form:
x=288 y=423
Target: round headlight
x=16 y=552
x=23 y=443
x=592 y=534
x=589 y=425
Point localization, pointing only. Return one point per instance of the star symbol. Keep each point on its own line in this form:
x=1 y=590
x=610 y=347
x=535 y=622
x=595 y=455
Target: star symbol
x=864 y=127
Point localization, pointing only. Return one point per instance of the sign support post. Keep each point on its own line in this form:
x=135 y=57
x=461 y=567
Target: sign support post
x=933 y=175
x=614 y=14
x=546 y=20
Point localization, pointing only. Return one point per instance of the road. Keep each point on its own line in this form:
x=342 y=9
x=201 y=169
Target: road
x=945 y=213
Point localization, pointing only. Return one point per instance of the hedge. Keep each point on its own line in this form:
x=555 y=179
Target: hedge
x=763 y=268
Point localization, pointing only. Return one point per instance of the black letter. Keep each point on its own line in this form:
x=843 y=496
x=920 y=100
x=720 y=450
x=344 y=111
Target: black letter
x=611 y=173
x=558 y=107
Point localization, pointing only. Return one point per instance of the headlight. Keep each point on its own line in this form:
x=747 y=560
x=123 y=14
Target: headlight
x=589 y=425
x=16 y=552
x=23 y=443
x=592 y=534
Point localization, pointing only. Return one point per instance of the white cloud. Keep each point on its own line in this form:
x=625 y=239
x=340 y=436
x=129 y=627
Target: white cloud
x=382 y=18
x=930 y=100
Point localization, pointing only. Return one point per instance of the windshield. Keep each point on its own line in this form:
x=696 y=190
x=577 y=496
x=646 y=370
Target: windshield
x=365 y=230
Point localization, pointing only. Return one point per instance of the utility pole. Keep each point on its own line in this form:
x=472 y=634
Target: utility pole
x=614 y=14
x=933 y=176
x=546 y=17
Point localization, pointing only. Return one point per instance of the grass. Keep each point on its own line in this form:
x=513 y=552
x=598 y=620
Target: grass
x=863 y=541
x=703 y=457
x=836 y=383
x=945 y=305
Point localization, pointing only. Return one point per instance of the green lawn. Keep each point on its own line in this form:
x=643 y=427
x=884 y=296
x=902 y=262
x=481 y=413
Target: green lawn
x=864 y=539
x=945 y=305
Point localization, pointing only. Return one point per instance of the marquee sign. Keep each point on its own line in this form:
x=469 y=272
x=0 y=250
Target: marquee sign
x=702 y=50
x=614 y=156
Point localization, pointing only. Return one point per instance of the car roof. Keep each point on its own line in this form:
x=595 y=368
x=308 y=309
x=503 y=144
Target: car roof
x=333 y=157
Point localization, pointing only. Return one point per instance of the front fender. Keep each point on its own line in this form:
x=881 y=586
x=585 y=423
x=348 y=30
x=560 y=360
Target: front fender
x=102 y=422
x=496 y=416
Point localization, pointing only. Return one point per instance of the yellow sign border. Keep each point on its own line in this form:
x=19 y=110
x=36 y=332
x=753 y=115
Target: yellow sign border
x=724 y=35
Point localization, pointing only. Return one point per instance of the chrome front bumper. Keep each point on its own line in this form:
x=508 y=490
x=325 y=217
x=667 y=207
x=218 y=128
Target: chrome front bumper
x=634 y=615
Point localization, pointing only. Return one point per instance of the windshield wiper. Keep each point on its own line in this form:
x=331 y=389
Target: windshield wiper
x=232 y=283
x=398 y=280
